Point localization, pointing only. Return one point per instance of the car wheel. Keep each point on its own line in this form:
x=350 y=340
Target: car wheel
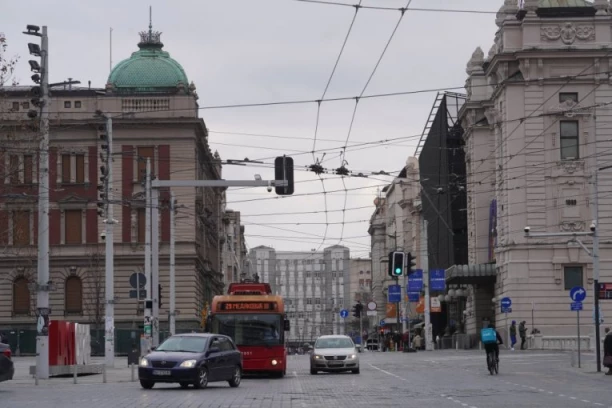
x=201 y=380
x=355 y=371
x=184 y=385
x=313 y=371
x=236 y=377
x=147 y=385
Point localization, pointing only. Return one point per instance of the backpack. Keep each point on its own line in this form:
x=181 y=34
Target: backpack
x=488 y=336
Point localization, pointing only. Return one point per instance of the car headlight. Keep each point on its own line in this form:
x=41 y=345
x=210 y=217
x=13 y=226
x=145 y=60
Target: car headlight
x=318 y=357
x=352 y=356
x=188 y=364
x=144 y=362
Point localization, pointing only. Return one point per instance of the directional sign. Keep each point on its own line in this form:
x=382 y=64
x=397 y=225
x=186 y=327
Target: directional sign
x=437 y=280
x=414 y=297
x=415 y=281
x=382 y=323
x=577 y=294
x=576 y=306
x=395 y=293
x=506 y=304
x=372 y=306
x=371 y=313
x=344 y=313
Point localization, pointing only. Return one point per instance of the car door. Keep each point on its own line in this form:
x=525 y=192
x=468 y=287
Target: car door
x=226 y=360
x=214 y=360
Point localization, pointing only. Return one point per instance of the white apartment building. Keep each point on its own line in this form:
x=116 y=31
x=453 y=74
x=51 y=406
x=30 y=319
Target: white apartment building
x=537 y=127
x=315 y=285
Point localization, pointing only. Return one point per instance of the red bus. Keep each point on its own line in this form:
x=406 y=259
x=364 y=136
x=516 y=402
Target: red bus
x=256 y=321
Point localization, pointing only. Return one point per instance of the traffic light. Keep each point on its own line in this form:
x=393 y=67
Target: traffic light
x=283 y=170
x=159 y=295
x=410 y=264
x=396 y=264
x=357 y=310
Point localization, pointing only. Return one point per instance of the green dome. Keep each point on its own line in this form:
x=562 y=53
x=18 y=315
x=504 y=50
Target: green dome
x=148 y=70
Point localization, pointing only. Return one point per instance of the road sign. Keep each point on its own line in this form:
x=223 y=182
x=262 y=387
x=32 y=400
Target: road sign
x=138 y=279
x=135 y=295
x=576 y=306
x=414 y=296
x=371 y=313
x=382 y=323
x=344 y=313
x=395 y=293
x=372 y=306
x=605 y=291
x=506 y=304
x=415 y=281
x=437 y=281
x=577 y=294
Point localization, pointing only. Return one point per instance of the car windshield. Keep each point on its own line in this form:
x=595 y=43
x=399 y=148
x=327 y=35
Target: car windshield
x=250 y=329
x=334 y=343
x=189 y=344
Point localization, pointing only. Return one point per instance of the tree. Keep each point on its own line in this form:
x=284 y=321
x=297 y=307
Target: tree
x=7 y=64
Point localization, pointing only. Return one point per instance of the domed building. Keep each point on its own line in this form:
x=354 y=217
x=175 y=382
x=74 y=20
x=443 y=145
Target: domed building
x=154 y=113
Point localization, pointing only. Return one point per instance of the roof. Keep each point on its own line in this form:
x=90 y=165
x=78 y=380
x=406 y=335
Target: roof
x=564 y=3
x=148 y=70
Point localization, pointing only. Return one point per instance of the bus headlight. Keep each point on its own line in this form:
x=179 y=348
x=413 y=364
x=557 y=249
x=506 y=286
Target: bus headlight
x=274 y=362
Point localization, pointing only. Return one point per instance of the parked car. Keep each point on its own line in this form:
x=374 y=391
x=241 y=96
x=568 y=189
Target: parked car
x=333 y=353
x=7 y=368
x=192 y=358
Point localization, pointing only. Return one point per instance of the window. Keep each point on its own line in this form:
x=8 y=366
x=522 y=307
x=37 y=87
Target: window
x=569 y=140
x=14 y=169
x=26 y=105
x=570 y=202
x=361 y=272
x=568 y=96
x=308 y=274
x=73 y=295
x=73 y=223
x=67 y=104
x=79 y=166
x=309 y=301
x=317 y=301
x=368 y=283
x=361 y=281
x=77 y=104
x=142 y=223
x=573 y=276
x=28 y=169
x=143 y=154
x=15 y=106
x=21 y=296
x=21 y=228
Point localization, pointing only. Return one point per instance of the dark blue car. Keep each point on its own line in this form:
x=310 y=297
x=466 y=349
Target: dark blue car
x=192 y=358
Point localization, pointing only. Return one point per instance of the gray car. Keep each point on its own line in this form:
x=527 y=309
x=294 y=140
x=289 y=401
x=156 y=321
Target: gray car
x=334 y=353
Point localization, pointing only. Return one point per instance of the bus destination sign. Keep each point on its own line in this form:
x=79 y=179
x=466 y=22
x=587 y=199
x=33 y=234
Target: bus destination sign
x=605 y=291
x=247 y=306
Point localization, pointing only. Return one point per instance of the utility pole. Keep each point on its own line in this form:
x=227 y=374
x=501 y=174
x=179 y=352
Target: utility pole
x=42 y=292
x=148 y=302
x=425 y=268
x=595 y=252
x=109 y=342
x=155 y=263
x=172 y=317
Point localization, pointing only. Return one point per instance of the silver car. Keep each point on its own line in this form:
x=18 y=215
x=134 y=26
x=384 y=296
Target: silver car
x=334 y=353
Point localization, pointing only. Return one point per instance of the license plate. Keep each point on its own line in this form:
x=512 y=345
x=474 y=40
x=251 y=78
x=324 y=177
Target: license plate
x=336 y=363
x=161 y=372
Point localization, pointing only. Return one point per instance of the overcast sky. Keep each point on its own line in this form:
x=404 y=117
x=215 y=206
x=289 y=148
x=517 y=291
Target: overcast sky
x=250 y=51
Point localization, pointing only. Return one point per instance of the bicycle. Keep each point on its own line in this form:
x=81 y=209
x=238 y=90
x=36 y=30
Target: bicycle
x=492 y=363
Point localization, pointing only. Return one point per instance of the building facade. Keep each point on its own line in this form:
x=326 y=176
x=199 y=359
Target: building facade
x=395 y=225
x=537 y=127
x=155 y=116
x=233 y=247
x=315 y=286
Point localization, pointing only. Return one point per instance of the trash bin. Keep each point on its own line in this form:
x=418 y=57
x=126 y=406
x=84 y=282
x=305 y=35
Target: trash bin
x=133 y=355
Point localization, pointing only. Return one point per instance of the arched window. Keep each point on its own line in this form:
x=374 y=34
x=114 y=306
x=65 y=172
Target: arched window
x=73 y=295
x=21 y=296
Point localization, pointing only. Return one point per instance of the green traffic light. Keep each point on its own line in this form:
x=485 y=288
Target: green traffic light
x=398 y=271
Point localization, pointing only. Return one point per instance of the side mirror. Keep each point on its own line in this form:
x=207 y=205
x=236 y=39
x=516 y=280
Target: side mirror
x=287 y=324
x=153 y=348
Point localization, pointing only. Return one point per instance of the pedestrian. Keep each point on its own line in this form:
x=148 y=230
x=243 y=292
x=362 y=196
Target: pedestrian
x=608 y=351
x=523 y=334
x=513 y=334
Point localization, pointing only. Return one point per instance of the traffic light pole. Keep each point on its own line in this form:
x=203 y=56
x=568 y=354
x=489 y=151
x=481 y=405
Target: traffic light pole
x=397 y=308
x=155 y=265
x=147 y=261
x=172 y=316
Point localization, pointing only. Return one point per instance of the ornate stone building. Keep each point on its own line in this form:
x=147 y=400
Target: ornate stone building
x=155 y=115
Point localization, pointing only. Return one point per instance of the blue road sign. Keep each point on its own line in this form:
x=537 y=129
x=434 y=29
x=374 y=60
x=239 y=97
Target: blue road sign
x=506 y=304
x=382 y=323
x=414 y=297
x=437 y=280
x=577 y=294
x=415 y=281
x=506 y=309
x=576 y=306
x=344 y=313
x=395 y=294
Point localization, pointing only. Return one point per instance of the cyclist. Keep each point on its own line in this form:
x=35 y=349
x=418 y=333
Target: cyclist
x=494 y=346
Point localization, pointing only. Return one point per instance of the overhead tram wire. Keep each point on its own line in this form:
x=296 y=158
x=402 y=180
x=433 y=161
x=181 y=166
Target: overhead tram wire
x=333 y=3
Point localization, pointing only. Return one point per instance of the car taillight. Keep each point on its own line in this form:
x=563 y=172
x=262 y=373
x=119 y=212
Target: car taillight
x=7 y=353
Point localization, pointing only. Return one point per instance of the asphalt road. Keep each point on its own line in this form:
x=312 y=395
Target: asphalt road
x=438 y=379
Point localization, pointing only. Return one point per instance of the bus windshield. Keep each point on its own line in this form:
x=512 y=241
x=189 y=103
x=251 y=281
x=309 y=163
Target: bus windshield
x=250 y=329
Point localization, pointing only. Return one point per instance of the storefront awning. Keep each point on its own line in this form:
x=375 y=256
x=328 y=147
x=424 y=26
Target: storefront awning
x=471 y=274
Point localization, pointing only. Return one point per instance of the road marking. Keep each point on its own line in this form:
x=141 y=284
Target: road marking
x=573 y=398
x=541 y=390
x=587 y=401
x=597 y=403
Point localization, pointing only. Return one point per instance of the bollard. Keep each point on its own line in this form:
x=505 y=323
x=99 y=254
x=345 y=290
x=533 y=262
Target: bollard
x=104 y=373
x=74 y=374
x=132 y=366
